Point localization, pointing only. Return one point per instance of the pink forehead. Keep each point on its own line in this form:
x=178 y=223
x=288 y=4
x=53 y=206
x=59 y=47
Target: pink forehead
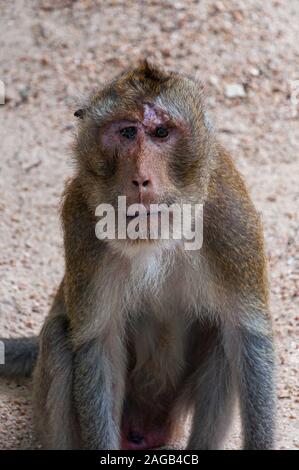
x=152 y=115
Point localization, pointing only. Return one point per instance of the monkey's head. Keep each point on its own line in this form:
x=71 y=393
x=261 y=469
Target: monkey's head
x=145 y=136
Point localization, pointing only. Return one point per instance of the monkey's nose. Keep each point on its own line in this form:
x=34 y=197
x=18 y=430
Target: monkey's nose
x=135 y=437
x=141 y=183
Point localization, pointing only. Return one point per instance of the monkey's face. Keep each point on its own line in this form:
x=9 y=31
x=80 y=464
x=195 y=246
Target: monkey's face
x=137 y=151
x=144 y=137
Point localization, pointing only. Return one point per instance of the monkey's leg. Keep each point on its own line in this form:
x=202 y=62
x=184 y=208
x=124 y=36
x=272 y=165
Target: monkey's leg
x=252 y=357
x=98 y=392
x=54 y=411
x=214 y=396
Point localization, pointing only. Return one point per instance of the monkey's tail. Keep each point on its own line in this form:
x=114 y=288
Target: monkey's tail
x=18 y=356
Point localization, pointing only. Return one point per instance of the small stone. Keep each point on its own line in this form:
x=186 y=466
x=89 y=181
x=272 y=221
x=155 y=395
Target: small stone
x=24 y=92
x=219 y=7
x=214 y=80
x=45 y=60
x=237 y=15
x=179 y=6
x=234 y=90
x=255 y=72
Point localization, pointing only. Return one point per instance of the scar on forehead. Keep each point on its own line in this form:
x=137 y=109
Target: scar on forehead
x=153 y=115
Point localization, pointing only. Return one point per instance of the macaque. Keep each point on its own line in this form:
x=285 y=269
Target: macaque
x=142 y=332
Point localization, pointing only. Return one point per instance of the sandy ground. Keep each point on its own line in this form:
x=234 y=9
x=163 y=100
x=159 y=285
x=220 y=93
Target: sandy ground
x=53 y=51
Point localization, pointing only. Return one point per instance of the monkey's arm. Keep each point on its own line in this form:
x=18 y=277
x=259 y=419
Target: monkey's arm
x=251 y=357
x=53 y=403
x=234 y=243
x=95 y=398
x=98 y=382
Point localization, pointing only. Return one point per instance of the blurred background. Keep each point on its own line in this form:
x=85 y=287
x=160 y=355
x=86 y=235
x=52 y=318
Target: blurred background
x=51 y=52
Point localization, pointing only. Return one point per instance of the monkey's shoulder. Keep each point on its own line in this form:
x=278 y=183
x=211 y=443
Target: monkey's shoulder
x=233 y=234
x=229 y=211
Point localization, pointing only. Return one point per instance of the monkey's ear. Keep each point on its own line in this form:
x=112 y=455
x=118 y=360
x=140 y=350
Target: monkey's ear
x=80 y=113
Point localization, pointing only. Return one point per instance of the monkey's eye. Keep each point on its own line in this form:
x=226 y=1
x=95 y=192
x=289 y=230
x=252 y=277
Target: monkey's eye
x=129 y=132
x=161 y=132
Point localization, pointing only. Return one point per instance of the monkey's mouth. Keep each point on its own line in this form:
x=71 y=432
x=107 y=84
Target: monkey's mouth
x=138 y=215
x=148 y=218
x=148 y=213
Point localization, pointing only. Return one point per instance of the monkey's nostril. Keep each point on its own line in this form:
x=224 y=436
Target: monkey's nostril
x=144 y=183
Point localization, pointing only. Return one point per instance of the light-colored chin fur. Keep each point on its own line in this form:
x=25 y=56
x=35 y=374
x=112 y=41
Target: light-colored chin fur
x=150 y=261
x=133 y=249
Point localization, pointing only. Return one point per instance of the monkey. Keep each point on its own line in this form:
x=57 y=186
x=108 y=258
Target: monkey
x=143 y=333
